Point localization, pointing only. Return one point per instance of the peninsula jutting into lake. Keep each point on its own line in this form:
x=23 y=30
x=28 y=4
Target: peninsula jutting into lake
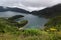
x=30 y=19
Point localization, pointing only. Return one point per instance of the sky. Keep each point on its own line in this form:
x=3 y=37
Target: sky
x=29 y=5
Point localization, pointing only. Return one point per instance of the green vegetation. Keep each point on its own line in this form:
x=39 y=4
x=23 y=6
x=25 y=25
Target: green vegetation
x=54 y=23
x=32 y=34
x=15 y=17
x=23 y=23
x=8 y=26
x=9 y=30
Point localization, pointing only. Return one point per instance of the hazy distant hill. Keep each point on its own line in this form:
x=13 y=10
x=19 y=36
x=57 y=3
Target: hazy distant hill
x=49 y=12
x=2 y=9
x=15 y=9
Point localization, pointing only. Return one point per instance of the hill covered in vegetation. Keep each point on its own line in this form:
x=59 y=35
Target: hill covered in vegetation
x=54 y=23
x=10 y=24
x=9 y=28
x=10 y=31
x=49 y=12
x=15 y=9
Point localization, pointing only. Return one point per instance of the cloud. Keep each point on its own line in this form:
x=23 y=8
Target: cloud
x=34 y=8
x=29 y=4
x=40 y=3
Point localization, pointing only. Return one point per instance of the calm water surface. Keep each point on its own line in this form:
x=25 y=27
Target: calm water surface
x=33 y=21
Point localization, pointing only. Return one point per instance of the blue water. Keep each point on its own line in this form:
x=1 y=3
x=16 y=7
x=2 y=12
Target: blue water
x=33 y=21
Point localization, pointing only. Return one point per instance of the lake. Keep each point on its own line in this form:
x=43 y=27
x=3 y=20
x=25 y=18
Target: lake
x=33 y=21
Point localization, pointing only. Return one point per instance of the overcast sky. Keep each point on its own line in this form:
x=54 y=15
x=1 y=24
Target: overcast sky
x=29 y=4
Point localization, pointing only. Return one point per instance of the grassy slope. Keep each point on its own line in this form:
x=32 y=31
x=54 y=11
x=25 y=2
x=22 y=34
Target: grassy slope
x=32 y=34
x=54 y=23
x=10 y=32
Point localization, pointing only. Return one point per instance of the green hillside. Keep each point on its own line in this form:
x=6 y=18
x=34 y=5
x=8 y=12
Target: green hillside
x=54 y=23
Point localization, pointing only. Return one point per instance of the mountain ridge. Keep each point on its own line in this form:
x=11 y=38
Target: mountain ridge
x=15 y=9
x=49 y=11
